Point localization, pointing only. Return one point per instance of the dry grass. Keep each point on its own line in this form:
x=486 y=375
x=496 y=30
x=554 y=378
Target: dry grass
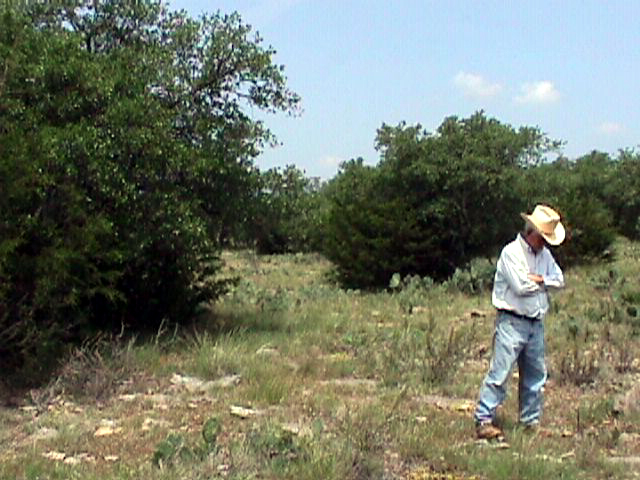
x=336 y=384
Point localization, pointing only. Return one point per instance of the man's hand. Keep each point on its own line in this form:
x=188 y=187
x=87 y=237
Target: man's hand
x=534 y=277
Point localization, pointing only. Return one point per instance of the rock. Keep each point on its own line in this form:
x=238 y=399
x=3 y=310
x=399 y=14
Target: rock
x=418 y=309
x=192 y=384
x=267 y=350
x=107 y=428
x=227 y=381
x=195 y=385
x=297 y=430
x=244 y=412
x=128 y=397
x=351 y=382
x=149 y=423
x=447 y=403
x=106 y=431
x=53 y=455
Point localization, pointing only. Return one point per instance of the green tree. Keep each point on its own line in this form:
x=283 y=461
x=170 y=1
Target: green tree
x=435 y=201
x=288 y=215
x=211 y=72
x=119 y=172
x=623 y=193
x=578 y=190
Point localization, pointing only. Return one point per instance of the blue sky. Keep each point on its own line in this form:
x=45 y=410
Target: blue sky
x=571 y=68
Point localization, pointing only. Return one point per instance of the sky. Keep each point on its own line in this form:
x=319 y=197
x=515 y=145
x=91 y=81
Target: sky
x=569 y=67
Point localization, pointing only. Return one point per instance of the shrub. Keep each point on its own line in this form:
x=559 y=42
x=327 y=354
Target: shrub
x=577 y=191
x=433 y=203
x=623 y=193
x=474 y=278
x=175 y=448
x=578 y=364
x=287 y=217
x=121 y=163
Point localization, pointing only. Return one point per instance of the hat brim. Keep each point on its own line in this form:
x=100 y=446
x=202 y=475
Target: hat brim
x=555 y=238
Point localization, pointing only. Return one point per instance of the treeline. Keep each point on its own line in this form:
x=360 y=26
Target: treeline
x=127 y=164
x=437 y=201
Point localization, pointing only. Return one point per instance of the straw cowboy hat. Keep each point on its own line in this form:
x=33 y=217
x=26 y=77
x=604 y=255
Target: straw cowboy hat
x=546 y=221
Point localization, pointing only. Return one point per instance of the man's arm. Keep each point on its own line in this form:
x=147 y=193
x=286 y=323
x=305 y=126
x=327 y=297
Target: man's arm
x=553 y=276
x=516 y=274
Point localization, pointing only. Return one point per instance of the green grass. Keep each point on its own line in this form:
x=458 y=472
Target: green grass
x=342 y=384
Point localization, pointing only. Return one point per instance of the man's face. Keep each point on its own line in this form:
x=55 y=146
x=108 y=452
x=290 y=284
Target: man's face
x=536 y=241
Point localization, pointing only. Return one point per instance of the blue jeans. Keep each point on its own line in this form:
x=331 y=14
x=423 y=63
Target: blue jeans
x=518 y=340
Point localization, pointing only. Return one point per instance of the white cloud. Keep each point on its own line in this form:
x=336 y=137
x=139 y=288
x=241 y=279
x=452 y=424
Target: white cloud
x=331 y=161
x=610 y=128
x=538 y=92
x=476 y=85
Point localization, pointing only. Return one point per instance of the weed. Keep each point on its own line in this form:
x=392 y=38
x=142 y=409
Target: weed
x=377 y=426
x=175 y=448
x=578 y=364
x=475 y=278
x=410 y=291
x=275 y=446
x=364 y=435
x=594 y=411
x=92 y=371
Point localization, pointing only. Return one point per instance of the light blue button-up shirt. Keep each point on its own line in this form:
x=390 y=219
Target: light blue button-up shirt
x=512 y=290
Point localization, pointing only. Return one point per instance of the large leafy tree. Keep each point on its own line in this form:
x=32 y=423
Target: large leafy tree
x=435 y=201
x=623 y=193
x=287 y=215
x=124 y=149
x=211 y=71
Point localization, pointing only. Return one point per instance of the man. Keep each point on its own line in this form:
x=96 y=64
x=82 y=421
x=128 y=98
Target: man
x=525 y=272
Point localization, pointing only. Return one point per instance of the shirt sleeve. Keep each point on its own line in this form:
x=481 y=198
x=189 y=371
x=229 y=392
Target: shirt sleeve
x=515 y=273
x=553 y=277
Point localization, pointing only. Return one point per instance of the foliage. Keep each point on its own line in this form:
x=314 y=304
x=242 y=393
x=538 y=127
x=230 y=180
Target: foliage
x=175 y=448
x=288 y=214
x=410 y=291
x=275 y=446
x=474 y=278
x=360 y=227
x=426 y=355
x=124 y=149
x=577 y=190
x=368 y=396
x=622 y=190
x=577 y=364
x=621 y=303
x=434 y=202
x=93 y=371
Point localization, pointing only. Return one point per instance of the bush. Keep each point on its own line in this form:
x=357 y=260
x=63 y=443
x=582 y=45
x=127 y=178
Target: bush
x=474 y=278
x=125 y=158
x=577 y=191
x=360 y=228
x=287 y=213
x=623 y=193
x=435 y=201
x=99 y=223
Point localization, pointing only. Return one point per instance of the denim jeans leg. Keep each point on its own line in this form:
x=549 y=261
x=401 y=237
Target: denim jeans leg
x=510 y=337
x=533 y=375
